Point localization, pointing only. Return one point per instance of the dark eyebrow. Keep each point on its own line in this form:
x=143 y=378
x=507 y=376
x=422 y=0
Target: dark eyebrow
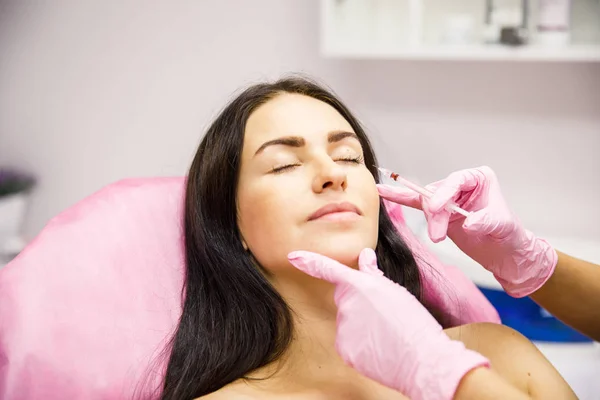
x=292 y=141
x=297 y=141
x=336 y=136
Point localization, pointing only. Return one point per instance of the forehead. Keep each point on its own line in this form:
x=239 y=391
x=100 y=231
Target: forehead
x=292 y=115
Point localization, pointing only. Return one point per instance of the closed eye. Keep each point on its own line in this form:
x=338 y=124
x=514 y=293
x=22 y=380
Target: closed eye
x=287 y=167
x=354 y=160
x=283 y=168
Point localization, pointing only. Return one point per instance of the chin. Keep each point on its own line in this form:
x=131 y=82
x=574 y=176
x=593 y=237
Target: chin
x=345 y=252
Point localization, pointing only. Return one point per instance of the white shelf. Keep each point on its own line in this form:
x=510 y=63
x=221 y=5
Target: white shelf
x=414 y=30
x=470 y=53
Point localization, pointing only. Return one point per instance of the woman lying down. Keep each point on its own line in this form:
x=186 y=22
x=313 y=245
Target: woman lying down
x=285 y=298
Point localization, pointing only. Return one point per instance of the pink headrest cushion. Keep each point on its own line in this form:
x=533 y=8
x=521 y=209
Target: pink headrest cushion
x=87 y=307
x=444 y=286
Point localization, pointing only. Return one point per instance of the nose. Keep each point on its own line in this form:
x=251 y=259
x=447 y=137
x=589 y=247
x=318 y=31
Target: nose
x=330 y=176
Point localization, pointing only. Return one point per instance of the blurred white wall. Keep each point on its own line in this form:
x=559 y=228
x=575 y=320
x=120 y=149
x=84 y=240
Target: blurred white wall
x=92 y=92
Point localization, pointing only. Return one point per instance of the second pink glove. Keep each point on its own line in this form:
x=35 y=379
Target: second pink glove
x=492 y=235
x=386 y=334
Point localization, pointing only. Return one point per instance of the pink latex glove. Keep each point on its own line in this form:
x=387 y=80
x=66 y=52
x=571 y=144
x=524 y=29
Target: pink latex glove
x=492 y=235
x=386 y=334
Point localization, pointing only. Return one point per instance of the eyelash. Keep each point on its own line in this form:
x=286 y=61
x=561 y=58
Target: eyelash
x=353 y=160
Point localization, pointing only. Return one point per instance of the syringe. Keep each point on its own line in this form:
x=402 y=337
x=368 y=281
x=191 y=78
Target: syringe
x=422 y=191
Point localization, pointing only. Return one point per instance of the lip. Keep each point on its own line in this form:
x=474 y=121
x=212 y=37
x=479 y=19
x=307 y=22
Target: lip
x=333 y=208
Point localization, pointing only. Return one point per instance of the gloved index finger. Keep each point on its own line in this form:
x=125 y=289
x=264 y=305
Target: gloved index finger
x=322 y=267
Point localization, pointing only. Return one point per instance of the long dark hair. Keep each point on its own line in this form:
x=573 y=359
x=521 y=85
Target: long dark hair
x=233 y=320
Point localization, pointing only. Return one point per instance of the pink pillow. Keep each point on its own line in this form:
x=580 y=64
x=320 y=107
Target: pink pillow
x=87 y=305
x=444 y=286
x=86 y=308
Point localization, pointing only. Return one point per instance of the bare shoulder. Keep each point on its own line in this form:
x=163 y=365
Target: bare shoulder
x=233 y=391
x=226 y=395
x=490 y=338
x=514 y=357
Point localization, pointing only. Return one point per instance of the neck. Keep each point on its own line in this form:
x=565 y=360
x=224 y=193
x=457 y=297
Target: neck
x=313 y=345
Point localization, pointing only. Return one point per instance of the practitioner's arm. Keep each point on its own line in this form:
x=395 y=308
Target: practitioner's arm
x=572 y=294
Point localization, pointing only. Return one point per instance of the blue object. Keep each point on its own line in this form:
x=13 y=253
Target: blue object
x=528 y=318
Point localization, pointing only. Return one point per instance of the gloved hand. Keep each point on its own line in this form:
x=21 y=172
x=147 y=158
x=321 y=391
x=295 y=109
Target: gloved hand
x=492 y=235
x=386 y=334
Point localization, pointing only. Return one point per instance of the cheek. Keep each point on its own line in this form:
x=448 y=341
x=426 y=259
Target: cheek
x=265 y=224
x=372 y=196
x=373 y=202
x=368 y=193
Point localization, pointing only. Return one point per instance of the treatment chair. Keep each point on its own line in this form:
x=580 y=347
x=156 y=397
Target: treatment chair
x=87 y=308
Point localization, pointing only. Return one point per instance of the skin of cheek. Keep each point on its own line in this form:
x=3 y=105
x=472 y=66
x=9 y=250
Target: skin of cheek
x=267 y=225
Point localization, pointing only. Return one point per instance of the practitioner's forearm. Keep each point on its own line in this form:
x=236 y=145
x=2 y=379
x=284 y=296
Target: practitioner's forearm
x=572 y=294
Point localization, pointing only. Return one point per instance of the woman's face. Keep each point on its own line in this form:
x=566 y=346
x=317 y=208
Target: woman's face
x=304 y=185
